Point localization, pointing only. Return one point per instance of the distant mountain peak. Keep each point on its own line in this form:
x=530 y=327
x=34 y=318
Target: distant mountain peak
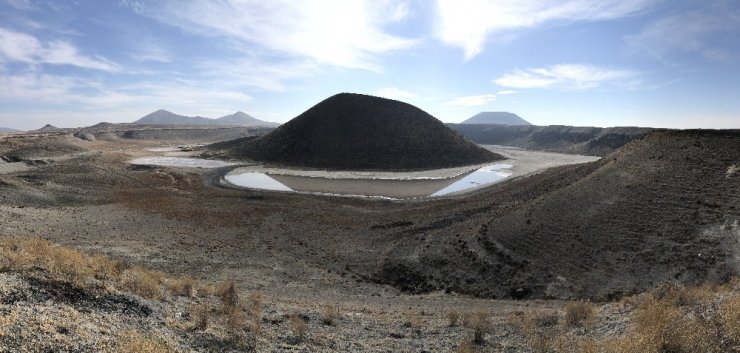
x=164 y=117
x=498 y=118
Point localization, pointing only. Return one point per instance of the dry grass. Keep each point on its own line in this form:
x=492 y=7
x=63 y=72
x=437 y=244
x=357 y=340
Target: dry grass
x=298 y=327
x=227 y=292
x=729 y=319
x=579 y=314
x=480 y=325
x=185 y=286
x=329 y=315
x=135 y=342
x=466 y=347
x=255 y=302
x=200 y=314
x=453 y=317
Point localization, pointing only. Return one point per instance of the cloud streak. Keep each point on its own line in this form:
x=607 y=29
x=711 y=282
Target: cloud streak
x=468 y=24
x=25 y=48
x=341 y=33
x=568 y=77
x=706 y=32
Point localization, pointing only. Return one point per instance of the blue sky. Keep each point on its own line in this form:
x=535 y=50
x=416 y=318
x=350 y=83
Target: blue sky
x=661 y=63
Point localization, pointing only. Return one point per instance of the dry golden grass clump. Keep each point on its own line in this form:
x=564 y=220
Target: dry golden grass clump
x=298 y=327
x=185 y=286
x=135 y=342
x=466 y=347
x=480 y=325
x=453 y=317
x=329 y=315
x=227 y=292
x=578 y=314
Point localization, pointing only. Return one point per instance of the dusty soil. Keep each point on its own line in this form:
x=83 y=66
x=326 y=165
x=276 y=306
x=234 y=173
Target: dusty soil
x=662 y=208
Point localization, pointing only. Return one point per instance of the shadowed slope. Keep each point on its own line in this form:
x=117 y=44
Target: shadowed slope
x=359 y=132
x=662 y=208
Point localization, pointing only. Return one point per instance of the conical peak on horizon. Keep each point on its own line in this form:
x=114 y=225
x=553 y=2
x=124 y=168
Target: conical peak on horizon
x=496 y=118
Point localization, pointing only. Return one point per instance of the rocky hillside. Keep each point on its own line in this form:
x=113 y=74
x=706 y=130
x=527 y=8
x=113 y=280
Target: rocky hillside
x=664 y=207
x=496 y=118
x=568 y=139
x=360 y=132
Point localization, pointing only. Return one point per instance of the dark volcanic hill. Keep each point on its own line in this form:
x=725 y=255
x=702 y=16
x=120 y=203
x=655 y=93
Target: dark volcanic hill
x=164 y=117
x=665 y=207
x=499 y=118
x=359 y=132
x=568 y=139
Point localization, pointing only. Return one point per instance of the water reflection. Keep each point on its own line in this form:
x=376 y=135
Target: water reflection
x=180 y=162
x=389 y=188
x=260 y=181
x=481 y=177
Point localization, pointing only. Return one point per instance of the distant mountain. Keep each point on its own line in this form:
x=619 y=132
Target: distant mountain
x=241 y=118
x=163 y=117
x=7 y=129
x=499 y=118
x=49 y=127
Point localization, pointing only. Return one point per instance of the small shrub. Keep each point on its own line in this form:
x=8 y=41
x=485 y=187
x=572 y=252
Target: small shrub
x=298 y=327
x=329 y=315
x=534 y=320
x=466 y=347
x=579 y=314
x=452 y=318
x=228 y=294
x=255 y=301
x=143 y=282
x=200 y=314
x=184 y=286
x=478 y=322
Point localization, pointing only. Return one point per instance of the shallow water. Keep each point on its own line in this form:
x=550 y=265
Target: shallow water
x=395 y=188
x=484 y=176
x=180 y=162
x=259 y=181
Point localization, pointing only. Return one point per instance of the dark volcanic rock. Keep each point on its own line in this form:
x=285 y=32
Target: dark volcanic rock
x=360 y=132
x=664 y=207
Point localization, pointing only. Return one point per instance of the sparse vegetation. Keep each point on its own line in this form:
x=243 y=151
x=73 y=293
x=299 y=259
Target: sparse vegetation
x=452 y=318
x=136 y=342
x=298 y=327
x=579 y=313
x=479 y=323
x=329 y=315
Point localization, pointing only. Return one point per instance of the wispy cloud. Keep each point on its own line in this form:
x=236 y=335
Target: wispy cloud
x=20 y=4
x=396 y=93
x=468 y=24
x=342 y=33
x=708 y=32
x=506 y=92
x=25 y=48
x=86 y=94
x=471 y=101
x=568 y=76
